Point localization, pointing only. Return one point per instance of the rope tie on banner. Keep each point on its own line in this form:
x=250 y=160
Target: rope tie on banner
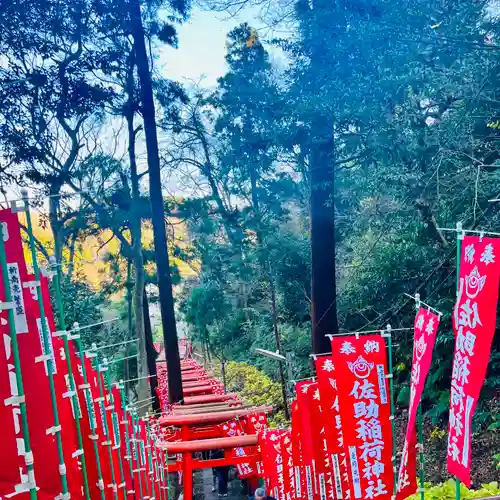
x=77 y=453
x=62 y=469
x=53 y=430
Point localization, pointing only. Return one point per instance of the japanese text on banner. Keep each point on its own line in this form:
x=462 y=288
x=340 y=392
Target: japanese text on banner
x=474 y=321
x=425 y=328
x=364 y=397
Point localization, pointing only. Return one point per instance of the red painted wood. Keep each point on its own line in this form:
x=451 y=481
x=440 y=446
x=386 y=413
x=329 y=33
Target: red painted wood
x=210 y=418
x=187 y=447
x=209 y=398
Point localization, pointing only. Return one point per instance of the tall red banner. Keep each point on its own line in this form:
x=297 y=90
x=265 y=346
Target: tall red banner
x=289 y=473
x=425 y=329
x=361 y=369
x=325 y=372
x=254 y=424
x=272 y=451
x=306 y=438
x=323 y=469
x=300 y=476
x=474 y=321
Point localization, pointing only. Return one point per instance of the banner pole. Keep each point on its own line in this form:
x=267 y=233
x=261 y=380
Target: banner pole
x=107 y=442
x=91 y=414
x=125 y=422
x=137 y=452
x=151 y=471
x=116 y=428
x=28 y=454
x=460 y=236
x=69 y=365
x=47 y=350
x=420 y=427
x=391 y=388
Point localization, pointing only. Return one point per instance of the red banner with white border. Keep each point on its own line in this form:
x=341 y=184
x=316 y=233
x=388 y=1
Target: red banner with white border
x=325 y=372
x=234 y=428
x=474 y=321
x=306 y=439
x=425 y=330
x=364 y=398
x=300 y=476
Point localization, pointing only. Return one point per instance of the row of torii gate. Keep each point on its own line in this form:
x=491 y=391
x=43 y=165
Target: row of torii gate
x=194 y=426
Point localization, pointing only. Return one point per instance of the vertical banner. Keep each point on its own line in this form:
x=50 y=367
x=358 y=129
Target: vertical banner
x=361 y=369
x=255 y=424
x=306 y=438
x=234 y=428
x=286 y=449
x=425 y=329
x=325 y=372
x=300 y=476
x=272 y=449
x=474 y=321
x=323 y=469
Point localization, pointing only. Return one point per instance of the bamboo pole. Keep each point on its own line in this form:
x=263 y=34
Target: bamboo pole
x=69 y=365
x=420 y=424
x=125 y=422
x=116 y=428
x=91 y=415
x=28 y=454
x=107 y=442
x=388 y=335
x=56 y=429
x=460 y=236
x=137 y=453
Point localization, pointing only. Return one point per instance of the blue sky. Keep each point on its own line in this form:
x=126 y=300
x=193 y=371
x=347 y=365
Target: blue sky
x=202 y=46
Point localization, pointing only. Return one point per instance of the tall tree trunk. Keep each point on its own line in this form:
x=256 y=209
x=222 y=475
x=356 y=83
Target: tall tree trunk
x=323 y=280
x=157 y=209
x=129 y=324
x=150 y=353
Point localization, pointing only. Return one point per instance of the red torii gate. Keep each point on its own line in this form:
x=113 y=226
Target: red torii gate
x=198 y=419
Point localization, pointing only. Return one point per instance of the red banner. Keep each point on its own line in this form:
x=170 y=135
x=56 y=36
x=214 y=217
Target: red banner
x=325 y=372
x=361 y=368
x=234 y=428
x=474 y=320
x=272 y=450
x=289 y=473
x=253 y=425
x=323 y=469
x=425 y=329
x=306 y=438
x=300 y=476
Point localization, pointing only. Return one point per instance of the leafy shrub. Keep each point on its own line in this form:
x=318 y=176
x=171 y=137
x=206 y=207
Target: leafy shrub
x=446 y=491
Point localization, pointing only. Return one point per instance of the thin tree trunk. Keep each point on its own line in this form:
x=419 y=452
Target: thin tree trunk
x=150 y=353
x=157 y=209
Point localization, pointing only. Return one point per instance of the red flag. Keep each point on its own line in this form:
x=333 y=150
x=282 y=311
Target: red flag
x=273 y=462
x=99 y=435
x=234 y=428
x=361 y=368
x=300 y=476
x=289 y=472
x=474 y=320
x=254 y=424
x=13 y=472
x=325 y=372
x=323 y=469
x=306 y=438
x=35 y=377
x=426 y=325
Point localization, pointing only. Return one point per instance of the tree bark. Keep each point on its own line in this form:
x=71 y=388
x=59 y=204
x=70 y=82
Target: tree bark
x=323 y=279
x=157 y=209
x=150 y=353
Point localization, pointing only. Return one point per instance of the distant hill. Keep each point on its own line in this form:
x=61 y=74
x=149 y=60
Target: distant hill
x=89 y=260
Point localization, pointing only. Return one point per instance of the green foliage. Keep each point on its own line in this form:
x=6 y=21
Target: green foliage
x=447 y=491
x=255 y=388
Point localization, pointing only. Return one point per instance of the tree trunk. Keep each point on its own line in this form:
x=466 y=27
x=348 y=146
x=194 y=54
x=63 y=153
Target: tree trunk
x=157 y=209
x=323 y=281
x=129 y=324
x=151 y=354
